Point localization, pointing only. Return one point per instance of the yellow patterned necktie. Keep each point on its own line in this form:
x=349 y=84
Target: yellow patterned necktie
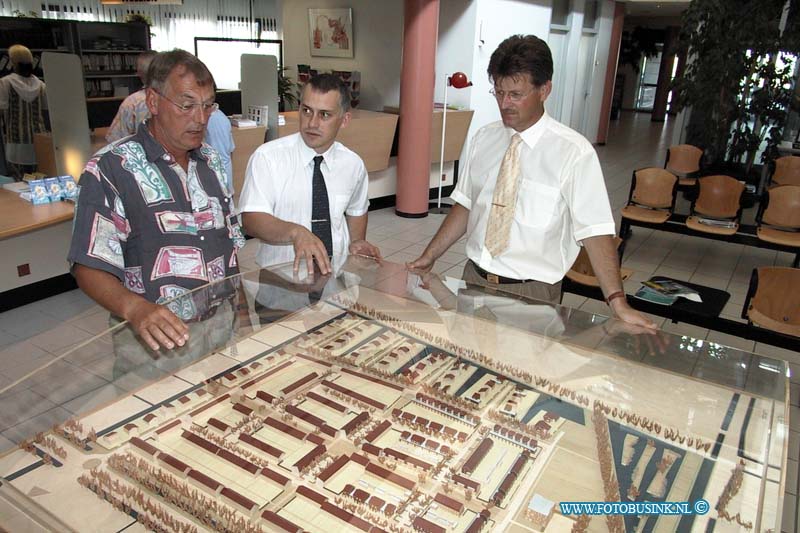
x=504 y=200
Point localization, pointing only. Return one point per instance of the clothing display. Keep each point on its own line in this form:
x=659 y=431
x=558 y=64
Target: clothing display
x=562 y=199
x=159 y=229
x=279 y=182
x=22 y=99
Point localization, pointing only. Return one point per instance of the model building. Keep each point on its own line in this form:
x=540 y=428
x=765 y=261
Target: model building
x=362 y=421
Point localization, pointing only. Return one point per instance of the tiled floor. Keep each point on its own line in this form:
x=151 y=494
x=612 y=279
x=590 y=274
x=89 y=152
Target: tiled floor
x=34 y=334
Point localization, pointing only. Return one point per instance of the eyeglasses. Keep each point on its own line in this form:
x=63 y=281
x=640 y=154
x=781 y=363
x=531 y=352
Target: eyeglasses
x=514 y=96
x=190 y=108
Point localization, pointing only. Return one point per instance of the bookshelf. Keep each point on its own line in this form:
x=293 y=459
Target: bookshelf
x=108 y=50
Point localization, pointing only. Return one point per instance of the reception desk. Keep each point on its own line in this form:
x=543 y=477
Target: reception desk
x=458 y=121
x=35 y=240
x=246 y=141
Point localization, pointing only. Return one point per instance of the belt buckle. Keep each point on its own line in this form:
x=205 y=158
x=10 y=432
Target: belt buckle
x=493 y=278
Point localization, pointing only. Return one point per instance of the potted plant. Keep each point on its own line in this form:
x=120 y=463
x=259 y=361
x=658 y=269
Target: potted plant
x=733 y=84
x=286 y=90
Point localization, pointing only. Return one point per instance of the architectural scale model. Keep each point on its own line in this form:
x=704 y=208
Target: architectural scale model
x=344 y=417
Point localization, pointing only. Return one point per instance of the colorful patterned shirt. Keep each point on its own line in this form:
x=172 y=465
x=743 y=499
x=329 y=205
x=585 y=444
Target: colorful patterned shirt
x=159 y=229
x=132 y=112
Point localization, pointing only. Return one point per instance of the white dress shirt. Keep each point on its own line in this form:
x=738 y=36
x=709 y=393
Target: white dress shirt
x=279 y=181
x=562 y=199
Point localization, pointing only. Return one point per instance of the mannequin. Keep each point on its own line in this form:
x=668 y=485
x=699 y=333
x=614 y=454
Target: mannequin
x=22 y=98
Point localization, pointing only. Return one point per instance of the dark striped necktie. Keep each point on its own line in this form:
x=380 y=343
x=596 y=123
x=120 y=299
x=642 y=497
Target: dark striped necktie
x=320 y=208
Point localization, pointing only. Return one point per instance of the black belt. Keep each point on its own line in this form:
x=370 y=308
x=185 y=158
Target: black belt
x=494 y=278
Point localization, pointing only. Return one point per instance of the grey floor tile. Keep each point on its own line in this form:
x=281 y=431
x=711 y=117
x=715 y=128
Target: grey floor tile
x=573 y=300
x=22 y=358
x=60 y=337
x=596 y=307
x=6 y=445
x=401 y=257
x=674 y=273
x=36 y=424
x=19 y=405
x=777 y=352
x=95 y=399
x=26 y=322
x=440 y=267
x=732 y=309
x=62 y=382
x=7 y=338
x=454 y=271
x=68 y=305
x=730 y=340
x=702 y=278
x=94 y=323
x=791 y=476
x=684 y=329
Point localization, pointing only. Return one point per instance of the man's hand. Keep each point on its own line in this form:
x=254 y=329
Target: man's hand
x=628 y=314
x=366 y=248
x=308 y=246
x=423 y=263
x=157 y=325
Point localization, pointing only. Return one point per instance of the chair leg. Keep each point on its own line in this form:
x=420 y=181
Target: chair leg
x=621 y=249
x=624 y=229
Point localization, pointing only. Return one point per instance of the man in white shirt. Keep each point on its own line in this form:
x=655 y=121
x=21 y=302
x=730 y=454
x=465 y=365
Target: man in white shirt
x=532 y=192
x=305 y=195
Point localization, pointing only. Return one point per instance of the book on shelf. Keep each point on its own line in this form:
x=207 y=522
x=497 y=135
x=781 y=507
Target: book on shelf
x=664 y=291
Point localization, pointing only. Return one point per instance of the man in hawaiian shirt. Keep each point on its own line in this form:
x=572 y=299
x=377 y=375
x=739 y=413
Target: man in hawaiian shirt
x=133 y=110
x=155 y=217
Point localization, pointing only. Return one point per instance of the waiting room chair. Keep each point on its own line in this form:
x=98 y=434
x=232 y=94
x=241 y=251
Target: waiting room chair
x=786 y=171
x=683 y=160
x=719 y=200
x=778 y=217
x=773 y=301
x=583 y=273
x=652 y=196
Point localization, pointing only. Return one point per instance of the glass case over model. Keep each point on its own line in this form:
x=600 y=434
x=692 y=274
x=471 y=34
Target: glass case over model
x=381 y=400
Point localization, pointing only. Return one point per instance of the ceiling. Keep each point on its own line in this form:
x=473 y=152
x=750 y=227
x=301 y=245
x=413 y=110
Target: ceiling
x=650 y=8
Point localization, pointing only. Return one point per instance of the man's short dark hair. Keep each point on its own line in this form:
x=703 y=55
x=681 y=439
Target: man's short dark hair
x=164 y=63
x=520 y=55
x=324 y=83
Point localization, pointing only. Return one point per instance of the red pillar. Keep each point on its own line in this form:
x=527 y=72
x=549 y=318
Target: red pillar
x=420 y=33
x=611 y=71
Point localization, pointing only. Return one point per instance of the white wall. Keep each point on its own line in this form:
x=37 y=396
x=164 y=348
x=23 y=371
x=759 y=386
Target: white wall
x=377 y=45
x=454 y=52
x=598 y=81
x=496 y=20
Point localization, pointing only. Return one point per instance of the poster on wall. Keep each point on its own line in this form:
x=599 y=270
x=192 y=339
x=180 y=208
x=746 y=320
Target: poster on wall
x=331 y=32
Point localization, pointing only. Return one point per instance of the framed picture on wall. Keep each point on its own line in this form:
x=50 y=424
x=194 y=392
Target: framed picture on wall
x=330 y=32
